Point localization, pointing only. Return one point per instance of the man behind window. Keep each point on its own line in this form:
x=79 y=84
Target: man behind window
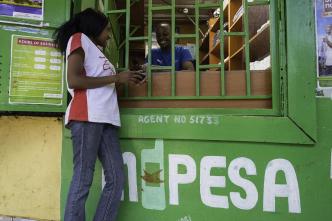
x=163 y=56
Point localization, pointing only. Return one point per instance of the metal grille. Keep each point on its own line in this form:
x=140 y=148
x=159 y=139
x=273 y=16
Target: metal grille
x=243 y=33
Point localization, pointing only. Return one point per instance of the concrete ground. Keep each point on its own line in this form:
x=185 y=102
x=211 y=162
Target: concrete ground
x=3 y=218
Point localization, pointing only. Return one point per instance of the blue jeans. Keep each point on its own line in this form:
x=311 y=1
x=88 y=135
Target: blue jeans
x=89 y=141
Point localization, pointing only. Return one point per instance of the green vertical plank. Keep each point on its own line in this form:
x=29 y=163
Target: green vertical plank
x=113 y=46
x=128 y=5
x=77 y=6
x=173 y=47
x=87 y=4
x=68 y=7
x=222 y=45
x=301 y=65
x=197 y=73
x=106 y=7
x=56 y=17
x=278 y=50
x=247 y=47
x=127 y=33
x=149 y=48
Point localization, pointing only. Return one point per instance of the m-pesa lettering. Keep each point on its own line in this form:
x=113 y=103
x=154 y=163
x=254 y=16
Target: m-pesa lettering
x=172 y=179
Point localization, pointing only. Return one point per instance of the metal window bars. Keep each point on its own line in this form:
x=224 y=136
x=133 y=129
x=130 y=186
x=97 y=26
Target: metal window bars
x=196 y=35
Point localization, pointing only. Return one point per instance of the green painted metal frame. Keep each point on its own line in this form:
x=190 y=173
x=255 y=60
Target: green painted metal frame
x=197 y=73
x=257 y=125
x=173 y=47
x=277 y=45
x=198 y=6
x=247 y=47
x=149 y=82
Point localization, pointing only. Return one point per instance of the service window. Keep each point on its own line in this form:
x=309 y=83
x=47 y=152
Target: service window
x=233 y=66
x=243 y=59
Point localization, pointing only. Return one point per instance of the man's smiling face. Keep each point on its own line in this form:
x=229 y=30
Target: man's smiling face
x=163 y=34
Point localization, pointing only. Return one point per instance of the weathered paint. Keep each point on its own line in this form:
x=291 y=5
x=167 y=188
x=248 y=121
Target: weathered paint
x=196 y=165
x=16 y=26
x=186 y=164
x=30 y=156
x=205 y=180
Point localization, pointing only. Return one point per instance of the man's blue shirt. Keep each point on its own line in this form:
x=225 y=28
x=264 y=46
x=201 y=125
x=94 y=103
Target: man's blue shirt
x=161 y=58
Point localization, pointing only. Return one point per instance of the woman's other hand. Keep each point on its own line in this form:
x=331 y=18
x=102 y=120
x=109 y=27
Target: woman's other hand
x=133 y=77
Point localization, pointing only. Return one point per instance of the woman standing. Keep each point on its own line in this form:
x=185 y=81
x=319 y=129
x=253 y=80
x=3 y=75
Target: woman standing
x=93 y=113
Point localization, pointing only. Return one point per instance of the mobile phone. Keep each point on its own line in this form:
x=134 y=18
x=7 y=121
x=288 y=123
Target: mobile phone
x=142 y=75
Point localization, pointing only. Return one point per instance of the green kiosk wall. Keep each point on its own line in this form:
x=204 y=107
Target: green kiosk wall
x=254 y=167
x=32 y=70
x=31 y=83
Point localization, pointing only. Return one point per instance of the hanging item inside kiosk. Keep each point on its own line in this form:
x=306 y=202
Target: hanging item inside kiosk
x=36 y=71
x=29 y=9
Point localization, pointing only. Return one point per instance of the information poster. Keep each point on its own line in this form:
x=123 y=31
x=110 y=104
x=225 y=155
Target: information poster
x=323 y=12
x=30 y=9
x=36 y=72
x=327 y=7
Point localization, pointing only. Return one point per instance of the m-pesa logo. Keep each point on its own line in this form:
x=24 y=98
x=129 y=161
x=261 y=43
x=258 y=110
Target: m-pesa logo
x=155 y=179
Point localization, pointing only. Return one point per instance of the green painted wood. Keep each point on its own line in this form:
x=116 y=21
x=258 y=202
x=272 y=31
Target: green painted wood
x=177 y=36
x=87 y=4
x=198 y=70
x=202 y=111
x=52 y=19
x=199 y=133
x=277 y=53
x=301 y=65
x=161 y=68
x=210 y=66
x=161 y=8
x=173 y=84
x=138 y=38
x=112 y=49
x=235 y=34
x=221 y=50
x=149 y=75
x=212 y=127
x=171 y=6
x=201 y=97
x=280 y=75
x=247 y=47
x=116 y=11
x=257 y=2
x=77 y=6
x=127 y=27
x=312 y=167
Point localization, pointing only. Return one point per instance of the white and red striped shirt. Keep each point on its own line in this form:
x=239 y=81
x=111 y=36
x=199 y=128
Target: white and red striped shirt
x=99 y=105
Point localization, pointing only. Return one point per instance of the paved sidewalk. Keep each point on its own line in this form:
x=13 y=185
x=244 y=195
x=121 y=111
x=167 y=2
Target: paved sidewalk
x=3 y=218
